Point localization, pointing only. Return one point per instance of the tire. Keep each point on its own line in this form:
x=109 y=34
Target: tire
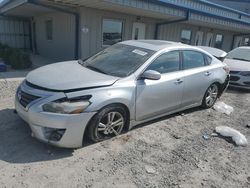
x=210 y=96
x=107 y=123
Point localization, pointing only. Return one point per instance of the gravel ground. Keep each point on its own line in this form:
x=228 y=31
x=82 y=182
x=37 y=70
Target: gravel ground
x=168 y=152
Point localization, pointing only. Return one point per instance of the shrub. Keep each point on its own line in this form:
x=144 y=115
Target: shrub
x=14 y=57
x=20 y=60
x=7 y=53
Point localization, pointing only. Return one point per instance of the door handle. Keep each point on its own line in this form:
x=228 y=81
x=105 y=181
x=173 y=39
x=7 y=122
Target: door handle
x=179 y=81
x=208 y=73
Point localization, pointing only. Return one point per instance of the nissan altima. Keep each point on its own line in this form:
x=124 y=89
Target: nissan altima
x=124 y=85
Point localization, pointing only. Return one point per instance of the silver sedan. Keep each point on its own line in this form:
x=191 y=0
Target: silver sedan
x=124 y=85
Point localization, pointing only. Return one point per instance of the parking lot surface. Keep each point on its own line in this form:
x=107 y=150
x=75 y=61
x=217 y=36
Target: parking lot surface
x=167 y=152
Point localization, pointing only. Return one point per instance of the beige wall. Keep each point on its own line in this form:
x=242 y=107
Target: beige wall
x=63 y=43
x=91 y=42
x=173 y=32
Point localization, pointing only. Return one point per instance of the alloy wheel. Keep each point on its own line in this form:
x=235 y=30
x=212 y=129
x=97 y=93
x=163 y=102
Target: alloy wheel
x=111 y=124
x=211 y=96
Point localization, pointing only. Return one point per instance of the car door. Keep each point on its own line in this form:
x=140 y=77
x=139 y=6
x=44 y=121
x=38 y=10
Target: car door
x=155 y=97
x=196 y=77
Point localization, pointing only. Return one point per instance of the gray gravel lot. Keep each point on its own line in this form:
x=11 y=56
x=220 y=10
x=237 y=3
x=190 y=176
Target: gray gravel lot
x=168 y=152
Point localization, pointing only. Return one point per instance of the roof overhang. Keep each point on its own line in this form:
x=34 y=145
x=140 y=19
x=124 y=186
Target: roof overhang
x=159 y=10
x=23 y=9
x=29 y=8
x=162 y=10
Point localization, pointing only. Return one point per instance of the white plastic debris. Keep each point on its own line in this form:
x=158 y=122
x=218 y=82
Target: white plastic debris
x=223 y=108
x=150 y=169
x=237 y=137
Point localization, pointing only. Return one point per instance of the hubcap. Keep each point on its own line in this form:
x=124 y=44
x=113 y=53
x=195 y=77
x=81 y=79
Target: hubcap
x=111 y=123
x=211 y=95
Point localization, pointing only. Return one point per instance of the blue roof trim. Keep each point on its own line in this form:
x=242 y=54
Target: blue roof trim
x=168 y=4
x=224 y=7
x=215 y=5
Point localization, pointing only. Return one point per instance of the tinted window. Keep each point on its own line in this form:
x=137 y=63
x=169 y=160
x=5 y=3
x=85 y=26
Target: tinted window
x=118 y=60
x=166 y=63
x=112 y=31
x=192 y=59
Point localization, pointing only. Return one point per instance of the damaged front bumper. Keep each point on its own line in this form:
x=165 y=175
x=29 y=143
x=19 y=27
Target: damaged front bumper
x=62 y=130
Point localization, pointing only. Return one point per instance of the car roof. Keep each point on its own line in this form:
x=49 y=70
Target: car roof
x=154 y=45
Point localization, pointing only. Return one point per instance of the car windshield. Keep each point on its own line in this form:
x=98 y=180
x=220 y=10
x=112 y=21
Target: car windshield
x=242 y=54
x=118 y=60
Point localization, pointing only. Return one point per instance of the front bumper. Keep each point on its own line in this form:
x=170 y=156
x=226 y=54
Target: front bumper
x=39 y=122
x=239 y=81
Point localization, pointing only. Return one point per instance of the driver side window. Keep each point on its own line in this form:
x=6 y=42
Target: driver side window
x=166 y=63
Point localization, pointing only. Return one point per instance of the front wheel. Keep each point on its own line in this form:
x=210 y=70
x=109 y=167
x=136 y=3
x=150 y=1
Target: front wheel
x=109 y=122
x=210 y=96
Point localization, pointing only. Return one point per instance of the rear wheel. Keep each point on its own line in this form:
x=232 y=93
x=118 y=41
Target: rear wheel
x=109 y=122
x=210 y=96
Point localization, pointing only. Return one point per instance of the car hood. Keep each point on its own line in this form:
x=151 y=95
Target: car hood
x=237 y=65
x=68 y=75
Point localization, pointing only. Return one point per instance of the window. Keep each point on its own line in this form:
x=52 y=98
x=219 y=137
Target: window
x=166 y=63
x=218 y=41
x=186 y=36
x=208 y=59
x=118 y=60
x=49 y=29
x=246 y=42
x=192 y=59
x=111 y=31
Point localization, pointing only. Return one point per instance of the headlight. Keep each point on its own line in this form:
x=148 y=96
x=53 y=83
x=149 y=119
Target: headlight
x=245 y=73
x=67 y=106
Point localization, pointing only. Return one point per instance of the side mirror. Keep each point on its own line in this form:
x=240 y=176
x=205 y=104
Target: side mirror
x=151 y=75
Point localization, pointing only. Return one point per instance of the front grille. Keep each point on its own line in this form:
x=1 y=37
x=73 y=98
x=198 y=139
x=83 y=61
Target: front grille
x=234 y=78
x=234 y=72
x=25 y=99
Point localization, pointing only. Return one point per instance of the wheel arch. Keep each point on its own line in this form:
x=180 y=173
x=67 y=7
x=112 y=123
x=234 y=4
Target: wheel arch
x=115 y=104
x=222 y=86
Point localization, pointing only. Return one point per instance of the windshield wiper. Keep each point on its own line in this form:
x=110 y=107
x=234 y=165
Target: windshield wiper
x=241 y=59
x=95 y=69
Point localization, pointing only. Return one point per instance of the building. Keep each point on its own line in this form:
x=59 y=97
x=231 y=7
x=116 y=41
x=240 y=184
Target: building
x=15 y=32
x=70 y=29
